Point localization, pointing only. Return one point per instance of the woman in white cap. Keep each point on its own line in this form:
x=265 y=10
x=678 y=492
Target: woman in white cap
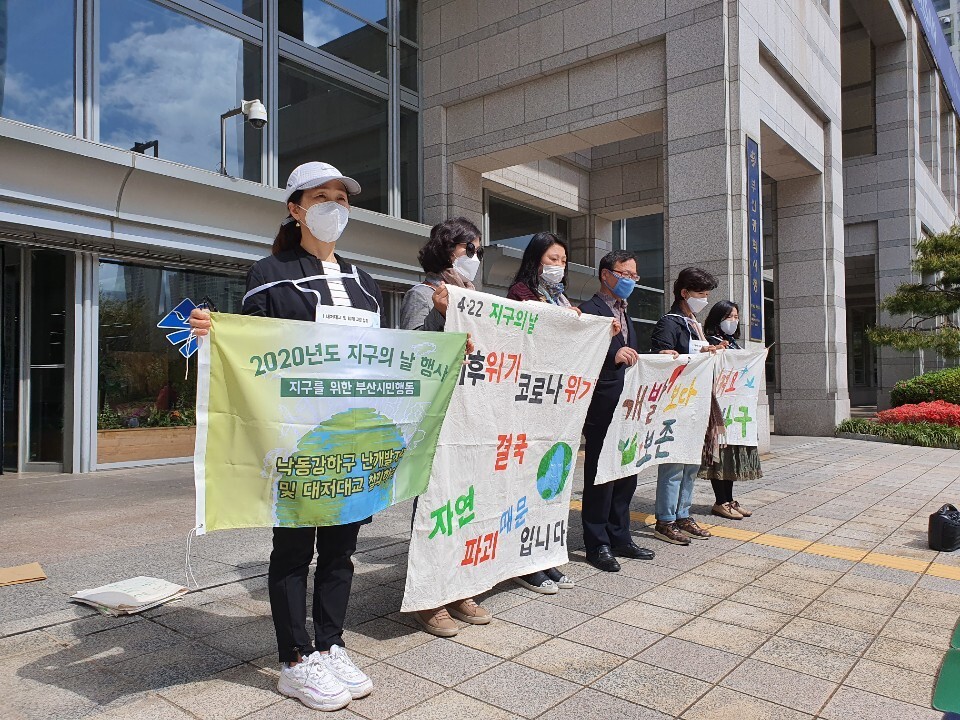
x=297 y=281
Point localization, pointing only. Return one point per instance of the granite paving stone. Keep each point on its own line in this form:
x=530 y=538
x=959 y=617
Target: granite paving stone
x=611 y=636
x=687 y=658
x=518 y=689
x=655 y=687
x=804 y=657
x=444 y=661
x=724 y=704
x=569 y=660
x=780 y=685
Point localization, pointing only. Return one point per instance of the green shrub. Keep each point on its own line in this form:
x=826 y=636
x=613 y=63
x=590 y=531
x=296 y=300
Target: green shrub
x=923 y=434
x=939 y=385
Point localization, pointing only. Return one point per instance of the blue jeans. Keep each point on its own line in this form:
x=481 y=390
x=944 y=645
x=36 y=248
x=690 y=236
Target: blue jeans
x=675 y=490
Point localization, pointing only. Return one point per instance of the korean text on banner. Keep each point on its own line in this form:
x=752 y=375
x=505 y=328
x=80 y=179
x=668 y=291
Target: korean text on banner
x=498 y=503
x=662 y=415
x=305 y=424
x=737 y=386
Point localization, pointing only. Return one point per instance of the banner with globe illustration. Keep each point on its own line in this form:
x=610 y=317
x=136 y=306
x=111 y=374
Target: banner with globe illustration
x=498 y=502
x=662 y=416
x=308 y=424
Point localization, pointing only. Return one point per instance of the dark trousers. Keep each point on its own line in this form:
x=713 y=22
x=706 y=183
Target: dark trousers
x=606 y=507
x=287 y=580
x=723 y=490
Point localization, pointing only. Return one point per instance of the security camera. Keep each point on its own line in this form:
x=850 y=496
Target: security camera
x=256 y=113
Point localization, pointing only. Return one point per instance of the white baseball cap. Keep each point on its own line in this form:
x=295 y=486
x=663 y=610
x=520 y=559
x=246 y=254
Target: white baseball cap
x=313 y=174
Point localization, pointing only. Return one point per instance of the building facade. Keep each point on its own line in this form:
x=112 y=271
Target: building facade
x=797 y=149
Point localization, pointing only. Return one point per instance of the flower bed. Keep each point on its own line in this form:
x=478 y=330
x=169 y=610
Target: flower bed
x=938 y=411
x=937 y=385
x=924 y=434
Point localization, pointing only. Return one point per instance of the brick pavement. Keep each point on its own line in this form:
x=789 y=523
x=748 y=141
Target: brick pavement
x=826 y=604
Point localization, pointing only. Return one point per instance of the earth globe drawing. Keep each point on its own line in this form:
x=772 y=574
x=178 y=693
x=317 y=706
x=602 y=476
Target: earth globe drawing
x=553 y=471
x=355 y=431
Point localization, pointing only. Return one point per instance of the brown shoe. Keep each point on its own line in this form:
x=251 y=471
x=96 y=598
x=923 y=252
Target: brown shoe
x=726 y=510
x=468 y=611
x=688 y=526
x=741 y=509
x=667 y=531
x=437 y=622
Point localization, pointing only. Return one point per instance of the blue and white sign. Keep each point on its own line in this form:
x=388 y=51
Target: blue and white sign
x=754 y=239
x=930 y=23
x=178 y=321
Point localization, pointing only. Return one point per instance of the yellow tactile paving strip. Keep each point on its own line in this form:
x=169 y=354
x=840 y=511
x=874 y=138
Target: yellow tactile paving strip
x=894 y=562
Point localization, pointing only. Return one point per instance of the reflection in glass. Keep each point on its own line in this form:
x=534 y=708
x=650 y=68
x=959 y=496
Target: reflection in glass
x=322 y=119
x=47 y=356
x=644 y=239
x=253 y=9
x=645 y=304
x=409 y=77
x=408 y=19
x=10 y=358
x=344 y=36
x=166 y=77
x=513 y=225
x=141 y=375
x=36 y=63
x=409 y=165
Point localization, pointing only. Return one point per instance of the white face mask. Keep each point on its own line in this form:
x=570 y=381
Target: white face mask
x=696 y=304
x=326 y=220
x=552 y=274
x=729 y=326
x=467 y=267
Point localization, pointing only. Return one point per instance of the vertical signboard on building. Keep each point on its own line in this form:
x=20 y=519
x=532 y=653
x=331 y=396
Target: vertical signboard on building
x=939 y=48
x=754 y=235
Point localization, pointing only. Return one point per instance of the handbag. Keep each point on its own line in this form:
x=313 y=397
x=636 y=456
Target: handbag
x=943 y=532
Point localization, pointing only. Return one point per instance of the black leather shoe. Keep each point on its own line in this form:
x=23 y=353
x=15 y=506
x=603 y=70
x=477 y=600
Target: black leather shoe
x=633 y=551
x=603 y=559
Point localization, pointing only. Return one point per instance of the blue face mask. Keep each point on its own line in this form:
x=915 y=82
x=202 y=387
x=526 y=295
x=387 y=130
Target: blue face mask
x=623 y=288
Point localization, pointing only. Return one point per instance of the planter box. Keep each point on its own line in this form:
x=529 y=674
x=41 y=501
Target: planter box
x=145 y=444
x=891 y=441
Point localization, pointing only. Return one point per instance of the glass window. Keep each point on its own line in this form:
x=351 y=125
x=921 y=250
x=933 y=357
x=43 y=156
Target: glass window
x=409 y=10
x=409 y=76
x=322 y=119
x=643 y=236
x=514 y=225
x=409 y=165
x=318 y=24
x=37 y=63
x=253 y=9
x=941 y=5
x=166 y=77
x=141 y=375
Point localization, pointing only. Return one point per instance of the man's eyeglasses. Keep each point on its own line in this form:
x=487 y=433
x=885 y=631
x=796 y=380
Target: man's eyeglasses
x=628 y=276
x=473 y=249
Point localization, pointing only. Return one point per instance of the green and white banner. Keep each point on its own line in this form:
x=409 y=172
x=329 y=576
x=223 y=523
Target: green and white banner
x=738 y=374
x=498 y=503
x=662 y=415
x=305 y=424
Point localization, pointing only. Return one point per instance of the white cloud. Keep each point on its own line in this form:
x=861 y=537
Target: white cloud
x=50 y=107
x=320 y=26
x=172 y=86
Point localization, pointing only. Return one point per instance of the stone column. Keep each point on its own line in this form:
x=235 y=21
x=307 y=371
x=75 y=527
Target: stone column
x=812 y=342
x=898 y=138
x=948 y=155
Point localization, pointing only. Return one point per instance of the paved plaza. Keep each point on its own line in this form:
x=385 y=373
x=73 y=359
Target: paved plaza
x=825 y=604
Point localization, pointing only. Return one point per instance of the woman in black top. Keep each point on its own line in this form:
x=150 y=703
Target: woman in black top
x=297 y=281
x=737 y=462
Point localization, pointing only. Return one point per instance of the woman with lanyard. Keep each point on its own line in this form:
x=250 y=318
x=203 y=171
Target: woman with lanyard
x=302 y=279
x=679 y=333
x=735 y=462
x=541 y=277
x=451 y=255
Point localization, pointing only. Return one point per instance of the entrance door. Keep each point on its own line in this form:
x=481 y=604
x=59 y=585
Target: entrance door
x=45 y=354
x=10 y=357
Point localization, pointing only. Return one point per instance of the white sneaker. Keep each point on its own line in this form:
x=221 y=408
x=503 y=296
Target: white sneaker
x=350 y=676
x=311 y=683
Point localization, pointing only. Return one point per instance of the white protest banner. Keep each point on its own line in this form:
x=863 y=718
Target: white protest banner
x=499 y=496
x=737 y=387
x=662 y=415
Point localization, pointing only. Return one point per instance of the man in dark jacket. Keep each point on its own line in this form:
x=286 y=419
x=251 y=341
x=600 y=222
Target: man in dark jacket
x=606 y=507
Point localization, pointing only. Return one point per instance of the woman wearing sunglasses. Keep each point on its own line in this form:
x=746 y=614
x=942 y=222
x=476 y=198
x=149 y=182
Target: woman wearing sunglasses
x=451 y=256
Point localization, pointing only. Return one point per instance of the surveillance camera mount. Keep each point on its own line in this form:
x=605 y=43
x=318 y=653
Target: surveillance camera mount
x=254 y=112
